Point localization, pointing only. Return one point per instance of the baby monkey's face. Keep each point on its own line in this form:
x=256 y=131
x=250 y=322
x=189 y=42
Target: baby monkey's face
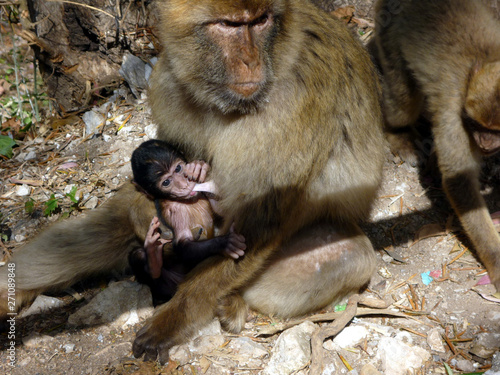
x=175 y=183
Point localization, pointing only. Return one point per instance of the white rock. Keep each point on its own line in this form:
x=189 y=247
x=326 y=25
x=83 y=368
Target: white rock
x=387 y=258
x=69 y=348
x=435 y=340
x=211 y=329
x=207 y=339
x=125 y=130
x=92 y=120
x=23 y=190
x=292 y=350
x=31 y=155
x=91 y=203
x=205 y=344
x=248 y=351
x=465 y=365
x=67 y=188
x=123 y=303
x=495 y=365
x=42 y=304
x=329 y=369
x=181 y=354
x=493 y=316
x=151 y=131
x=349 y=337
x=397 y=357
x=20 y=237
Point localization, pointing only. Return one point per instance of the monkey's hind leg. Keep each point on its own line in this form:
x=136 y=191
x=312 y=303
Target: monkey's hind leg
x=403 y=101
x=317 y=267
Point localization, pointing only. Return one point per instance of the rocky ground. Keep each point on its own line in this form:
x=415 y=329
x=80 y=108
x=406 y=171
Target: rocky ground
x=430 y=308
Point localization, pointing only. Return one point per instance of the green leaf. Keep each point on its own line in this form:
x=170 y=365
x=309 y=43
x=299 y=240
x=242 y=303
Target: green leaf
x=51 y=205
x=448 y=369
x=6 y=145
x=72 y=195
x=29 y=206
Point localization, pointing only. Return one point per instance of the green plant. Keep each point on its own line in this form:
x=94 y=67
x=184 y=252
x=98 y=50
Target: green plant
x=72 y=195
x=22 y=102
x=29 y=206
x=6 y=145
x=51 y=205
x=75 y=202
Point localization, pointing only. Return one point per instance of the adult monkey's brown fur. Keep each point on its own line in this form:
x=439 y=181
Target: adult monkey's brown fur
x=446 y=54
x=283 y=103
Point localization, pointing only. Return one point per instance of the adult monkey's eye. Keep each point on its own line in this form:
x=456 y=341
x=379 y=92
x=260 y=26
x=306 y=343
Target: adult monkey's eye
x=261 y=20
x=166 y=183
x=178 y=169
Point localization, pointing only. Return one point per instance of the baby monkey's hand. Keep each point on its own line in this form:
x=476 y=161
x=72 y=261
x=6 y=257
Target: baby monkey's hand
x=196 y=171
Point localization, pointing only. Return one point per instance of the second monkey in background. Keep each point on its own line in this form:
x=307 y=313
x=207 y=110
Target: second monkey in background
x=442 y=59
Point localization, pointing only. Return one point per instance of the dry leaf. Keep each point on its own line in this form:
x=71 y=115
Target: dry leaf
x=493 y=298
x=204 y=364
x=485 y=280
x=70 y=69
x=344 y=13
x=57 y=122
x=13 y=124
x=26 y=182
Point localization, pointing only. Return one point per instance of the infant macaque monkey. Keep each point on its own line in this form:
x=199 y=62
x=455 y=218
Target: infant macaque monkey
x=161 y=173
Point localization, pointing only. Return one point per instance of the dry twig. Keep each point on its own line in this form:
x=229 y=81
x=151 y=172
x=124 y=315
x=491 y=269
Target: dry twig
x=330 y=330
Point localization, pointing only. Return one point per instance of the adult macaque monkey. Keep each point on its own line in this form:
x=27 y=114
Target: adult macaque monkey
x=283 y=103
x=446 y=54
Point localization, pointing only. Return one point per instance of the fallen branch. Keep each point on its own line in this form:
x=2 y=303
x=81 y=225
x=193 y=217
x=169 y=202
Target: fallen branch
x=330 y=330
x=326 y=317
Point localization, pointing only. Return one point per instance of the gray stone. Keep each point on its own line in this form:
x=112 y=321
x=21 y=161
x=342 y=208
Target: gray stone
x=123 y=303
x=485 y=344
x=133 y=70
x=92 y=120
x=495 y=365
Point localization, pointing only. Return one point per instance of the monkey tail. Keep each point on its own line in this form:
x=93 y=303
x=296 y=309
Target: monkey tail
x=71 y=250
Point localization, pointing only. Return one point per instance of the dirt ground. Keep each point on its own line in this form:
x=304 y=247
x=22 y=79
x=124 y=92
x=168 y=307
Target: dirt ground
x=412 y=228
